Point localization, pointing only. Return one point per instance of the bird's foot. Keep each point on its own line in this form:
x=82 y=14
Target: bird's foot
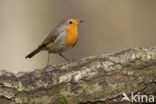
x=73 y=59
x=47 y=66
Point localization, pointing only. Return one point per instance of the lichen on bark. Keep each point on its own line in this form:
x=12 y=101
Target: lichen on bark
x=92 y=80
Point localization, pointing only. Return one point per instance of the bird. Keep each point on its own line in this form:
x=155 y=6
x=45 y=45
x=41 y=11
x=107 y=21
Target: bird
x=62 y=38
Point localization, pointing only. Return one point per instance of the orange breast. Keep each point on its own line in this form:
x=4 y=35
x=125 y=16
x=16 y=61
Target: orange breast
x=72 y=36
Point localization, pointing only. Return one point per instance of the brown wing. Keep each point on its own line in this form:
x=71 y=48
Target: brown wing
x=51 y=38
x=53 y=35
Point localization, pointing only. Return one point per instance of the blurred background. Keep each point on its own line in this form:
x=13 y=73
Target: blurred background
x=109 y=26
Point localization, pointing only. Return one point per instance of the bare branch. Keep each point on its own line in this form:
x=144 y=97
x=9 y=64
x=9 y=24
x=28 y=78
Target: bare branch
x=96 y=79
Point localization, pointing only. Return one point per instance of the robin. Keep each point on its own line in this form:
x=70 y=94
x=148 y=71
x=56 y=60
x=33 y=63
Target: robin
x=62 y=38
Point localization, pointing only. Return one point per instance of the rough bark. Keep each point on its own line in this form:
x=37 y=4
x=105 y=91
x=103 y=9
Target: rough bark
x=93 y=80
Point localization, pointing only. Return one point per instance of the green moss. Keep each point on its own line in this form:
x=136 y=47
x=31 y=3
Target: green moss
x=61 y=99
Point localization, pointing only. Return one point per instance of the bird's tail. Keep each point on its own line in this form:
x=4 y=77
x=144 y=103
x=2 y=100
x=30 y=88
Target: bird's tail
x=33 y=52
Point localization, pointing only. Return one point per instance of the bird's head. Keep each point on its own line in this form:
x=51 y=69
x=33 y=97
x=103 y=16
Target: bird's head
x=72 y=23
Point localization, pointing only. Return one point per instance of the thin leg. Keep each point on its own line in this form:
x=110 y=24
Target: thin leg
x=64 y=57
x=48 y=59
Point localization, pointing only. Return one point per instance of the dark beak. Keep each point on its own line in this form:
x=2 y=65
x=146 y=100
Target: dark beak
x=80 y=21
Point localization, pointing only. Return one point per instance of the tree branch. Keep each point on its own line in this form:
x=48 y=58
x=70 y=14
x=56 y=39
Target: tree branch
x=92 y=80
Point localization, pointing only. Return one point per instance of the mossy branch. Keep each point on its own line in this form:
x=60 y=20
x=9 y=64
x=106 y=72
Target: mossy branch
x=96 y=79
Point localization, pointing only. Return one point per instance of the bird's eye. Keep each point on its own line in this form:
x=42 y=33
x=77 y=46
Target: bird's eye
x=70 y=22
